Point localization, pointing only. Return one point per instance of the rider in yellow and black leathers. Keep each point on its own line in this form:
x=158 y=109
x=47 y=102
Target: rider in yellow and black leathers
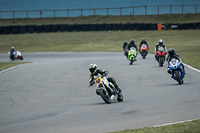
x=94 y=72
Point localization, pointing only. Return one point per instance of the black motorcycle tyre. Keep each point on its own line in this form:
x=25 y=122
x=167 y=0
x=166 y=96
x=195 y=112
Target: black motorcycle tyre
x=12 y=57
x=178 y=78
x=131 y=61
x=21 y=58
x=144 y=54
x=161 y=62
x=104 y=96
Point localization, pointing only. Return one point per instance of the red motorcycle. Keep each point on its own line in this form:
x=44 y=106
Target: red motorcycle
x=161 y=53
x=144 y=51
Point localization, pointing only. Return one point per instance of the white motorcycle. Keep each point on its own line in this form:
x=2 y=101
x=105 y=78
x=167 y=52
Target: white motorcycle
x=16 y=55
x=107 y=90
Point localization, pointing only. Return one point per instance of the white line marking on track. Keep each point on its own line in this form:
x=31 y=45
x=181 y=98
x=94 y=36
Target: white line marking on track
x=192 y=68
x=9 y=68
x=174 y=123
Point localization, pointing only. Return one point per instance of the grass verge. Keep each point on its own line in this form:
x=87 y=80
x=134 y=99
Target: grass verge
x=5 y=65
x=185 y=42
x=186 y=127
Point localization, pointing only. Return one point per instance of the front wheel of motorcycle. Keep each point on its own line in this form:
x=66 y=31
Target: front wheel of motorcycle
x=131 y=61
x=178 y=78
x=161 y=64
x=104 y=96
x=21 y=58
x=12 y=58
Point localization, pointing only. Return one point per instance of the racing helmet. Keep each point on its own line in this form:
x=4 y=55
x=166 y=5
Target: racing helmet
x=143 y=40
x=125 y=42
x=160 y=41
x=171 y=52
x=132 y=41
x=92 y=68
x=12 y=47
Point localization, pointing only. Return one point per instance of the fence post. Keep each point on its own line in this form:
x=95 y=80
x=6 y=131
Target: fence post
x=195 y=6
x=94 y=12
x=120 y=11
x=107 y=11
x=182 y=9
x=13 y=14
x=27 y=14
x=40 y=13
x=145 y=10
x=81 y=12
x=133 y=11
x=158 y=10
x=68 y=13
x=54 y=14
x=170 y=9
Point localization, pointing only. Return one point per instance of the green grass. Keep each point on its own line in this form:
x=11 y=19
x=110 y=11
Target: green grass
x=185 y=42
x=186 y=127
x=5 y=65
x=166 y=18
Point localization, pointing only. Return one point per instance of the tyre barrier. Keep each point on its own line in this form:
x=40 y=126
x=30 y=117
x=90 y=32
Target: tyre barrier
x=109 y=27
x=183 y=26
x=94 y=27
x=101 y=27
x=31 y=28
x=62 y=27
x=47 y=28
x=71 y=27
x=39 y=29
x=116 y=26
x=124 y=26
x=15 y=29
x=55 y=28
x=131 y=26
x=85 y=27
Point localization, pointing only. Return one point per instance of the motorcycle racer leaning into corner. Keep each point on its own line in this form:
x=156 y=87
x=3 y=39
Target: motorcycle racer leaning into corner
x=172 y=54
x=159 y=44
x=94 y=73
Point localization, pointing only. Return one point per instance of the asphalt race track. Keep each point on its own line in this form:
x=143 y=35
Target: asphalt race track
x=51 y=95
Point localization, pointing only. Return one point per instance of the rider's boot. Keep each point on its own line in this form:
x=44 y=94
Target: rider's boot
x=118 y=89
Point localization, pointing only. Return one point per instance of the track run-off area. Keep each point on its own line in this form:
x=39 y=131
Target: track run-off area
x=51 y=94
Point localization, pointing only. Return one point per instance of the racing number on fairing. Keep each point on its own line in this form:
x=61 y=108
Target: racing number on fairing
x=97 y=81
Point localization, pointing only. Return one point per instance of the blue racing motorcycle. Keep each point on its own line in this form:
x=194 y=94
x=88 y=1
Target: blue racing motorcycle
x=176 y=70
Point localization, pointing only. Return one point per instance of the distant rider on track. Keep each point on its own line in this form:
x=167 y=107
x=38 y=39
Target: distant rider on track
x=159 y=44
x=143 y=42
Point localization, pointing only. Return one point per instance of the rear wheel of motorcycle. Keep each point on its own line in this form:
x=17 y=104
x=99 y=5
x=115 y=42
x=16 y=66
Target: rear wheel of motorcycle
x=104 y=96
x=178 y=78
x=120 y=97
